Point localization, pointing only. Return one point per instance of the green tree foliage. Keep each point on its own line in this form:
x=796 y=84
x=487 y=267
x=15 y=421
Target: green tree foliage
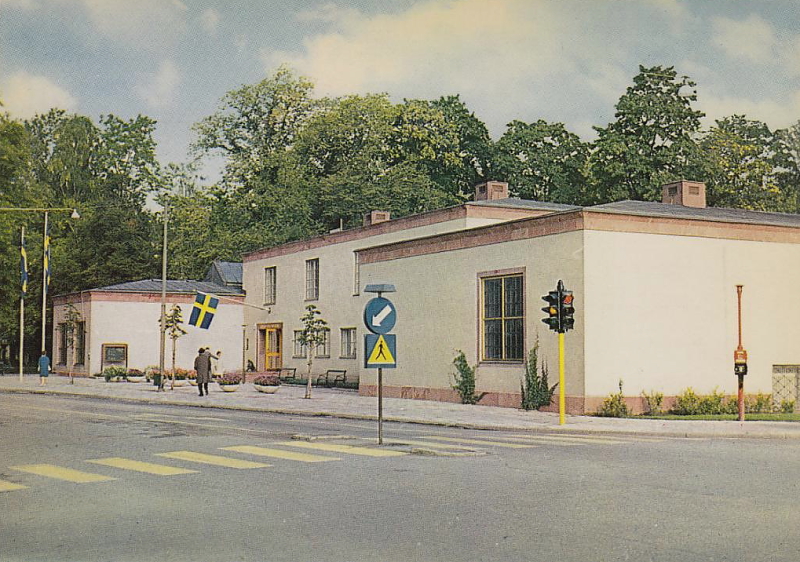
x=652 y=141
x=314 y=333
x=535 y=388
x=543 y=161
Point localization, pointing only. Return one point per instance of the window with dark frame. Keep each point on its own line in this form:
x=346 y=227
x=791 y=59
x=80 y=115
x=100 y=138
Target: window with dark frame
x=80 y=343
x=62 y=343
x=503 y=318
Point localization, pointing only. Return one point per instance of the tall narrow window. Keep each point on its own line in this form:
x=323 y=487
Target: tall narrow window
x=299 y=347
x=269 y=285
x=348 y=336
x=324 y=347
x=312 y=280
x=356 y=275
x=503 y=318
x=62 y=343
x=80 y=343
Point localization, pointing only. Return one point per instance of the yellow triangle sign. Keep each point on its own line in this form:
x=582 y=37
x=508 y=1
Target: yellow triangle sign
x=381 y=354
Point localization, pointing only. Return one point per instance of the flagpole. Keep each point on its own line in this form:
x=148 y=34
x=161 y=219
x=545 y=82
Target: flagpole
x=163 y=339
x=22 y=314
x=46 y=266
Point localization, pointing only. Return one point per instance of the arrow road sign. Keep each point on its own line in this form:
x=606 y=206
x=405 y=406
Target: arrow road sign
x=380 y=315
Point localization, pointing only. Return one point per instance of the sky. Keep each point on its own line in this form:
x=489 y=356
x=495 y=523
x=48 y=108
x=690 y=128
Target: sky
x=564 y=61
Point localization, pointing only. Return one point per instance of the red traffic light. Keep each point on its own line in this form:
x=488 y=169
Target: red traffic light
x=567 y=299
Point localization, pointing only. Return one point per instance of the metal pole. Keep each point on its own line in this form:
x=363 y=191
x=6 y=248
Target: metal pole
x=45 y=267
x=22 y=318
x=380 y=406
x=561 y=395
x=244 y=352
x=740 y=395
x=163 y=338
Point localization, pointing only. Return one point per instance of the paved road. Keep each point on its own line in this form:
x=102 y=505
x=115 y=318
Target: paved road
x=91 y=480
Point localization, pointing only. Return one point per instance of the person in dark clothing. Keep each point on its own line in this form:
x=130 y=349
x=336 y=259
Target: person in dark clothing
x=202 y=364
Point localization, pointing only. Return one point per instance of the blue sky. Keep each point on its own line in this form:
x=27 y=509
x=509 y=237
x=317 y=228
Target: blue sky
x=559 y=60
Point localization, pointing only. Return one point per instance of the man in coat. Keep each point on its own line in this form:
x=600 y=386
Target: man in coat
x=202 y=364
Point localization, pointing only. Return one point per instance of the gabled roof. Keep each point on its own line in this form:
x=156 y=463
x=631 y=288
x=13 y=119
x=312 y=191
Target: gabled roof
x=225 y=273
x=173 y=286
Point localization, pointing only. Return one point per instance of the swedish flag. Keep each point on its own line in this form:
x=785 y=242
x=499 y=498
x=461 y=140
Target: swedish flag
x=205 y=306
x=47 y=256
x=23 y=264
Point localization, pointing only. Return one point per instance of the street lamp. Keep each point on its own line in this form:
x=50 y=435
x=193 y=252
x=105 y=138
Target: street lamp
x=45 y=270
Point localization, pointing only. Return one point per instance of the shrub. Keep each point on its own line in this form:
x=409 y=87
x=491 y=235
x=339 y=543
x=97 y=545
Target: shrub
x=535 y=389
x=652 y=402
x=614 y=406
x=759 y=404
x=114 y=373
x=686 y=403
x=465 y=380
x=267 y=380
x=712 y=404
x=787 y=406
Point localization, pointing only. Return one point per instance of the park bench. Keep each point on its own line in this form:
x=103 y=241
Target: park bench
x=288 y=374
x=332 y=376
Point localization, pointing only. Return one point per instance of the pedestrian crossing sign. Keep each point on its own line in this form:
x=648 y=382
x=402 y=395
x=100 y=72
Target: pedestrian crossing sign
x=380 y=350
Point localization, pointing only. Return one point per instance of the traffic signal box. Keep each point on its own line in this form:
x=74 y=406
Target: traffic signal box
x=560 y=310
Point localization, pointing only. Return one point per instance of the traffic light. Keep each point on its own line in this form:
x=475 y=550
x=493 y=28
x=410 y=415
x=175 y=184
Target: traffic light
x=552 y=309
x=566 y=310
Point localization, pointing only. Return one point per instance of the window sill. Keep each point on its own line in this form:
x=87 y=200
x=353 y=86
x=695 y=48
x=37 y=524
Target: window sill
x=500 y=362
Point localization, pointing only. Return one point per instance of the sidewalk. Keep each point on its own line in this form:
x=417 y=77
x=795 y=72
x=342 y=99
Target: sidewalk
x=348 y=404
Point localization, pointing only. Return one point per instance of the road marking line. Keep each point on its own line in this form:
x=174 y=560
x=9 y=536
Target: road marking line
x=61 y=473
x=138 y=466
x=212 y=459
x=9 y=486
x=279 y=454
x=571 y=439
x=427 y=444
x=480 y=442
x=348 y=449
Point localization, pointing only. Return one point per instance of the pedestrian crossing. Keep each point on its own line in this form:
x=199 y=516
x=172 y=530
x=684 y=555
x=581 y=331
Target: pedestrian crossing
x=249 y=456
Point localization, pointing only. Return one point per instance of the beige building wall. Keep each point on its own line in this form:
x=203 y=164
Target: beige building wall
x=341 y=298
x=661 y=312
x=438 y=308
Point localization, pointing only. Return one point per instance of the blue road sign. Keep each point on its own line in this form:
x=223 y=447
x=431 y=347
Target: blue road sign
x=380 y=350
x=380 y=315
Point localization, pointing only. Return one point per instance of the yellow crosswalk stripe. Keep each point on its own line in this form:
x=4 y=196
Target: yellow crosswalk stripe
x=338 y=448
x=138 y=466
x=61 y=473
x=480 y=442
x=279 y=454
x=9 y=486
x=572 y=439
x=212 y=459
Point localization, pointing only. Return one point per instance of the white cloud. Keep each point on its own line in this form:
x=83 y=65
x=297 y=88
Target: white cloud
x=751 y=40
x=145 y=23
x=21 y=4
x=210 y=20
x=159 y=89
x=24 y=95
x=777 y=114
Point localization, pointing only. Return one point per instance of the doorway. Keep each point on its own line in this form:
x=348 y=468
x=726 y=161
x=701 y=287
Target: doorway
x=273 y=355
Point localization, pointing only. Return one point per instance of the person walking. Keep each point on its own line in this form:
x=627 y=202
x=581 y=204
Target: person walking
x=202 y=364
x=217 y=364
x=44 y=368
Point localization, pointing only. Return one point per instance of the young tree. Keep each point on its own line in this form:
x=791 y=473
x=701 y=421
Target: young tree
x=312 y=335
x=172 y=322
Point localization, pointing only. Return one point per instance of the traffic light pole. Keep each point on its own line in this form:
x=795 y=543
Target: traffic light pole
x=740 y=349
x=561 y=394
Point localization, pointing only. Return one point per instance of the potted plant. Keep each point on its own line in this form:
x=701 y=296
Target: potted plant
x=135 y=375
x=115 y=374
x=191 y=376
x=268 y=383
x=229 y=382
x=178 y=376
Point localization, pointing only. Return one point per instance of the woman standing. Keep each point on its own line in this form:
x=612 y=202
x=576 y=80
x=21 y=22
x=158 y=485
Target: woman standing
x=44 y=368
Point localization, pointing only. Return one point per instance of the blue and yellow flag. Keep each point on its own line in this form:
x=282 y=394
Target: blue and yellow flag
x=47 y=256
x=203 y=310
x=23 y=264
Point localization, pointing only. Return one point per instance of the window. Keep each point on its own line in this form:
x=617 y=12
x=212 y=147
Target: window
x=502 y=318
x=356 y=275
x=312 y=279
x=80 y=343
x=269 y=285
x=348 y=336
x=299 y=348
x=62 y=343
x=324 y=347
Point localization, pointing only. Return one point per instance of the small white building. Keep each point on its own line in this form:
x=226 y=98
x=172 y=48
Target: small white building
x=654 y=286
x=120 y=325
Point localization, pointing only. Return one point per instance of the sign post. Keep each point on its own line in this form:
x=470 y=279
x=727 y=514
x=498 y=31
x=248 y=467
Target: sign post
x=740 y=358
x=380 y=347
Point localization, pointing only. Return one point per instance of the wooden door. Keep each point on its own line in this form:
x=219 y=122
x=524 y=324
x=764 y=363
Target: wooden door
x=273 y=357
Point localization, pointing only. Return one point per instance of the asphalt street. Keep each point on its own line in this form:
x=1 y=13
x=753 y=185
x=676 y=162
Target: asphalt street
x=88 y=479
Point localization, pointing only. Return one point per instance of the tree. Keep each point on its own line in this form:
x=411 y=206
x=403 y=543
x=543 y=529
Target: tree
x=543 y=161
x=313 y=334
x=172 y=324
x=652 y=141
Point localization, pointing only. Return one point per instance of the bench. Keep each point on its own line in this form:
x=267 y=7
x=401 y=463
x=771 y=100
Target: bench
x=288 y=374
x=333 y=376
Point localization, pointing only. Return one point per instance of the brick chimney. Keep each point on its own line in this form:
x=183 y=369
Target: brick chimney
x=686 y=193
x=375 y=217
x=491 y=190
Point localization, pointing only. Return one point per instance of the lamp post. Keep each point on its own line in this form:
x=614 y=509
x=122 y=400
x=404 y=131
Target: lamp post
x=45 y=268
